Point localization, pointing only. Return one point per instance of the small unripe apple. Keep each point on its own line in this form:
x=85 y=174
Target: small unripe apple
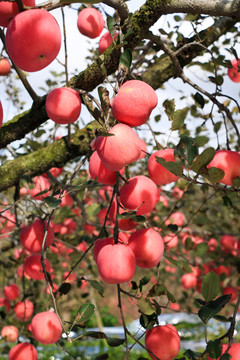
x=234 y=72
x=157 y=172
x=163 y=341
x=10 y=333
x=11 y=292
x=33 y=267
x=229 y=162
x=24 y=310
x=140 y=194
x=32 y=236
x=134 y=103
x=5 y=66
x=234 y=351
x=33 y=39
x=9 y=9
x=46 y=327
x=90 y=22
x=23 y=351
x=105 y=41
x=63 y=105
x=99 y=172
x=120 y=149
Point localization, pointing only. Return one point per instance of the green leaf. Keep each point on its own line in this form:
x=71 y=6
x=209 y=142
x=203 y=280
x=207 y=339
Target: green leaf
x=227 y=201
x=157 y=118
x=114 y=342
x=203 y=159
x=199 y=99
x=211 y=286
x=85 y=312
x=157 y=290
x=102 y=357
x=215 y=174
x=218 y=80
x=172 y=166
x=171 y=297
x=169 y=106
x=217 y=126
x=96 y=334
x=211 y=309
x=201 y=249
x=186 y=150
x=178 y=118
x=225 y=356
x=201 y=140
x=147 y=321
x=52 y=201
x=65 y=288
x=214 y=348
x=95 y=284
x=145 y=306
x=126 y=59
x=192 y=355
x=236 y=182
x=42 y=192
x=111 y=25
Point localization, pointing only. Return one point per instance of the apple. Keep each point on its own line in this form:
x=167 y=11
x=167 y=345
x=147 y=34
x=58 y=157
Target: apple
x=33 y=267
x=5 y=303
x=5 y=66
x=105 y=41
x=9 y=9
x=10 y=333
x=42 y=184
x=232 y=291
x=24 y=310
x=63 y=105
x=176 y=218
x=157 y=172
x=46 y=327
x=90 y=22
x=23 y=351
x=221 y=269
x=98 y=171
x=163 y=341
x=147 y=246
x=229 y=162
x=32 y=236
x=33 y=39
x=11 y=292
x=116 y=263
x=140 y=194
x=123 y=224
x=171 y=240
x=120 y=149
x=238 y=247
x=228 y=243
x=134 y=103
x=234 y=351
x=189 y=281
x=234 y=71
x=1 y=114
x=99 y=243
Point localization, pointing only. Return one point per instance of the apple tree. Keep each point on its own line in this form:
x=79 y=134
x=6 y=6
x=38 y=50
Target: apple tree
x=119 y=182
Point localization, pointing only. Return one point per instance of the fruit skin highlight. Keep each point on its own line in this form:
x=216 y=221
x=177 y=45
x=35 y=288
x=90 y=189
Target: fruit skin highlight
x=90 y=22
x=163 y=341
x=33 y=39
x=46 y=327
x=134 y=103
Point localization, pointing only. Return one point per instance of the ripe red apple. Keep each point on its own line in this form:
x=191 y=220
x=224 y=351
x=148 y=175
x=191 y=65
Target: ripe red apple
x=5 y=303
x=23 y=351
x=99 y=243
x=189 y=280
x=105 y=41
x=234 y=351
x=33 y=267
x=90 y=22
x=63 y=105
x=171 y=240
x=9 y=9
x=231 y=290
x=46 y=327
x=228 y=243
x=163 y=341
x=32 y=236
x=120 y=149
x=147 y=246
x=33 y=39
x=140 y=193
x=116 y=263
x=229 y=162
x=1 y=114
x=42 y=184
x=134 y=103
x=234 y=72
x=10 y=332
x=123 y=224
x=176 y=218
x=24 y=310
x=11 y=292
x=157 y=172
x=5 y=66
x=99 y=171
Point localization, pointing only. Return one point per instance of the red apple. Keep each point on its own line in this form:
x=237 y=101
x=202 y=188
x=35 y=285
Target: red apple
x=228 y=243
x=90 y=22
x=234 y=72
x=134 y=103
x=24 y=310
x=33 y=267
x=98 y=245
x=46 y=327
x=147 y=246
x=229 y=162
x=42 y=184
x=123 y=224
x=157 y=172
x=32 y=236
x=1 y=114
x=10 y=333
x=140 y=193
x=116 y=263
x=5 y=303
x=100 y=173
x=120 y=149
x=105 y=41
x=234 y=351
x=163 y=341
x=11 y=292
x=232 y=291
x=171 y=240
x=33 y=39
x=63 y=105
x=23 y=351
x=176 y=218
x=189 y=281
x=9 y=9
x=5 y=66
